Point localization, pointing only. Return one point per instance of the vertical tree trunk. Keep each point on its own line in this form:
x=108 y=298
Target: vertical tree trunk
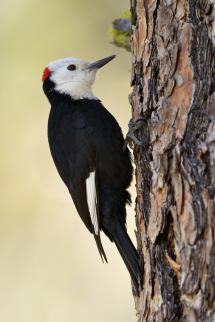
x=173 y=93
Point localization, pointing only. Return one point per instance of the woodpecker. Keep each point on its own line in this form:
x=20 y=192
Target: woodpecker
x=87 y=147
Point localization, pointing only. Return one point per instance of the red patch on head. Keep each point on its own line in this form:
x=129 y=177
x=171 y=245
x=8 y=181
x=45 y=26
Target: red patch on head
x=46 y=73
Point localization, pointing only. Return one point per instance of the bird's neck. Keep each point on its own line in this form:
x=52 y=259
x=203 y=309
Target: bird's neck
x=57 y=96
x=76 y=90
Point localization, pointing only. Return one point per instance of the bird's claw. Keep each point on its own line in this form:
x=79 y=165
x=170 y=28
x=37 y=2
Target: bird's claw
x=131 y=138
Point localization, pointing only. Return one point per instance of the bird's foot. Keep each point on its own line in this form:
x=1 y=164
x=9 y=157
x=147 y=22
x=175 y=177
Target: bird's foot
x=131 y=139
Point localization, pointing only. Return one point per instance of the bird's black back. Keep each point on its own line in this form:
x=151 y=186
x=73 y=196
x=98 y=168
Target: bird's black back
x=84 y=136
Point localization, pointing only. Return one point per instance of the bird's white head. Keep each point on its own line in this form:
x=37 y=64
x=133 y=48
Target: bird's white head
x=73 y=76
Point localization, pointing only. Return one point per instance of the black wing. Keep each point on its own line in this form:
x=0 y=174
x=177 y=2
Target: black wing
x=74 y=157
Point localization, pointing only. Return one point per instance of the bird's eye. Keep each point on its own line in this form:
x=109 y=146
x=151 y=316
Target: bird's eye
x=71 y=67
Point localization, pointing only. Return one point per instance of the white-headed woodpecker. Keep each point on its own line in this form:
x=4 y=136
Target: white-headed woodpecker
x=86 y=144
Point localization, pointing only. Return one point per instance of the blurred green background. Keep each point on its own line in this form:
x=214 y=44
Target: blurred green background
x=50 y=270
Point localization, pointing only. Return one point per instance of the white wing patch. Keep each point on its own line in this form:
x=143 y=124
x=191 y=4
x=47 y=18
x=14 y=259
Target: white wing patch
x=92 y=200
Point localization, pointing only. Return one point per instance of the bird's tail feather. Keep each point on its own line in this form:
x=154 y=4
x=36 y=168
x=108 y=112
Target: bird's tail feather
x=128 y=253
x=100 y=248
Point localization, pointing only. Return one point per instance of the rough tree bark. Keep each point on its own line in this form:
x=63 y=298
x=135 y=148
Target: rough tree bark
x=173 y=94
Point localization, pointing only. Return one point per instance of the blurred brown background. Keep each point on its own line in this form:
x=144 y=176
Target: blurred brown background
x=50 y=270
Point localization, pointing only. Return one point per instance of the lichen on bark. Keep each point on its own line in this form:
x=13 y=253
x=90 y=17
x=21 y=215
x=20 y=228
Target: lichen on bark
x=120 y=31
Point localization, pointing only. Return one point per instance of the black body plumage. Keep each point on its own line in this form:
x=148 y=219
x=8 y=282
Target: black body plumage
x=85 y=137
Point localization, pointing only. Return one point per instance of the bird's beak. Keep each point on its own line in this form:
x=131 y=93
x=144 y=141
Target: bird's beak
x=100 y=63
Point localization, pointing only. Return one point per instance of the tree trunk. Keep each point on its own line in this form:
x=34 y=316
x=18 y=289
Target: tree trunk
x=173 y=94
